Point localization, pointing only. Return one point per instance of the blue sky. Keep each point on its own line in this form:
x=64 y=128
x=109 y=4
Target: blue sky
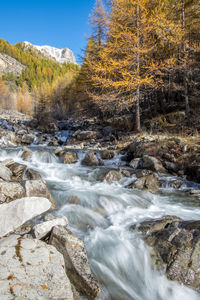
x=59 y=23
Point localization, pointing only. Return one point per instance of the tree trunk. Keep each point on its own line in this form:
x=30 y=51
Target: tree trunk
x=187 y=105
x=138 y=125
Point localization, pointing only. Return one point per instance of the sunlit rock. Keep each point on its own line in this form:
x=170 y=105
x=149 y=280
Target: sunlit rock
x=31 y=269
x=76 y=261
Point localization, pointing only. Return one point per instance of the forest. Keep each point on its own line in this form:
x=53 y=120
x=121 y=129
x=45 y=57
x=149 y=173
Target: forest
x=41 y=84
x=143 y=58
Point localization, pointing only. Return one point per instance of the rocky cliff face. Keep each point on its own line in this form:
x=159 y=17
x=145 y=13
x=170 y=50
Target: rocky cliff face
x=63 y=55
x=9 y=64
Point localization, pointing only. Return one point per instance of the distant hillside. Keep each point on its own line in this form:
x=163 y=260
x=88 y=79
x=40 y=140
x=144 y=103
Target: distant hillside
x=38 y=68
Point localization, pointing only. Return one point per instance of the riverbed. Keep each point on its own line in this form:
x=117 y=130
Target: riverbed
x=102 y=215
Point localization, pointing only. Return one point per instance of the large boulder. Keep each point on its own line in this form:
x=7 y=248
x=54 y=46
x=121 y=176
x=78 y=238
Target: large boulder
x=31 y=269
x=5 y=173
x=91 y=159
x=148 y=182
x=152 y=163
x=76 y=261
x=87 y=135
x=10 y=191
x=38 y=188
x=16 y=213
x=176 y=247
x=70 y=158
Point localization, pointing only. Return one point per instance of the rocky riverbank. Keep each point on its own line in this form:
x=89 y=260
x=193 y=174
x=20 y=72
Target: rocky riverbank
x=30 y=267
x=34 y=240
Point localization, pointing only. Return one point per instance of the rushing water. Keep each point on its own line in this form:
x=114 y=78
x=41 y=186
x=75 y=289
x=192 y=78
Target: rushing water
x=120 y=259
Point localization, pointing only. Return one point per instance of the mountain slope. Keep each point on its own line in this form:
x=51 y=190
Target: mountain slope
x=10 y=65
x=39 y=69
x=63 y=55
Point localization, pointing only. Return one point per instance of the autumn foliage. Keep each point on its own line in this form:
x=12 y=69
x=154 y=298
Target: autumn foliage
x=147 y=42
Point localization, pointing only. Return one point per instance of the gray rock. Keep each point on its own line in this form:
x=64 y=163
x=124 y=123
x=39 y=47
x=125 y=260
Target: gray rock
x=17 y=170
x=112 y=175
x=16 y=213
x=176 y=184
x=176 y=247
x=22 y=132
x=7 y=162
x=70 y=158
x=87 y=135
x=139 y=183
x=126 y=173
x=26 y=154
x=148 y=227
x=149 y=182
x=153 y=164
x=27 y=139
x=76 y=261
x=10 y=191
x=142 y=173
x=152 y=183
x=5 y=173
x=38 y=188
x=171 y=167
x=32 y=175
x=59 y=151
x=9 y=64
x=43 y=229
x=91 y=159
x=136 y=163
x=31 y=269
x=107 y=154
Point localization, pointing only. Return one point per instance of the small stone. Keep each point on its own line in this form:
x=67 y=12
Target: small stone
x=136 y=163
x=112 y=175
x=91 y=159
x=26 y=154
x=32 y=175
x=74 y=200
x=70 y=158
x=43 y=229
x=107 y=154
x=125 y=173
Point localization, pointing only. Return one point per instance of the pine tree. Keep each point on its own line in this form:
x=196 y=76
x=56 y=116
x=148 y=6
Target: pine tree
x=98 y=22
x=131 y=60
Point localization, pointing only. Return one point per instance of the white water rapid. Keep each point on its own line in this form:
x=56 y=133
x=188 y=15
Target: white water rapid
x=119 y=258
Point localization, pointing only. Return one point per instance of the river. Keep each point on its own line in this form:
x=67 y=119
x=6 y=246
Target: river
x=119 y=258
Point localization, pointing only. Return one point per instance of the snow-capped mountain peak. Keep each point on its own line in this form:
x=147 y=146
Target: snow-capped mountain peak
x=60 y=55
